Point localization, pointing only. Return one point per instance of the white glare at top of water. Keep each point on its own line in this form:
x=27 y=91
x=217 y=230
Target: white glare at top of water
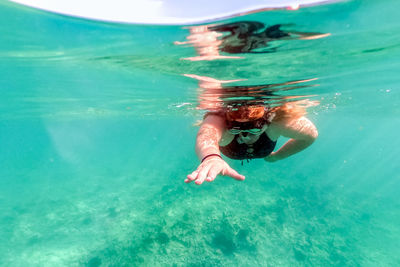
x=159 y=11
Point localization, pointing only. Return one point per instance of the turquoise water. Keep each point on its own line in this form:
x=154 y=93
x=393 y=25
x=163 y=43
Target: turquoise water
x=97 y=136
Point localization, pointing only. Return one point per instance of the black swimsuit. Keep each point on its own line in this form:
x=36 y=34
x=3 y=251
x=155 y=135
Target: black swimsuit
x=260 y=149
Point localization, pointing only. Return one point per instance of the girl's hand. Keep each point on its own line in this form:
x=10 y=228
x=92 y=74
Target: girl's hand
x=210 y=168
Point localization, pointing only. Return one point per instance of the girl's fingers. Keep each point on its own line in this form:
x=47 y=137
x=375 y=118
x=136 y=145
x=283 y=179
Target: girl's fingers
x=212 y=174
x=202 y=175
x=234 y=174
x=192 y=176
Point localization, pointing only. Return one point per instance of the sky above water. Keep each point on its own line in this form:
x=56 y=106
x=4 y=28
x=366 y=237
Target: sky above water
x=159 y=11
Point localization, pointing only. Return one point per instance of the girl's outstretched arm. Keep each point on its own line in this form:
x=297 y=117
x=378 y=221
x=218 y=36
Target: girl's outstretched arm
x=207 y=149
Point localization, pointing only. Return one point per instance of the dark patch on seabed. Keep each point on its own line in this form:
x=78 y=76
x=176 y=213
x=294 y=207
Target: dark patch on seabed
x=94 y=262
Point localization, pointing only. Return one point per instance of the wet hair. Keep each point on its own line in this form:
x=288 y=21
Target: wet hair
x=249 y=113
x=275 y=32
x=284 y=112
x=289 y=111
x=247 y=117
x=253 y=26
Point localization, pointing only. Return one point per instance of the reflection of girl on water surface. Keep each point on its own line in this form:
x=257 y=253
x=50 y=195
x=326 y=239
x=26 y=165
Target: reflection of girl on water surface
x=239 y=37
x=247 y=36
x=247 y=131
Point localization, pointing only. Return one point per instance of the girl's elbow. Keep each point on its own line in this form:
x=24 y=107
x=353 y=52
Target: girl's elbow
x=311 y=137
x=314 y=135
